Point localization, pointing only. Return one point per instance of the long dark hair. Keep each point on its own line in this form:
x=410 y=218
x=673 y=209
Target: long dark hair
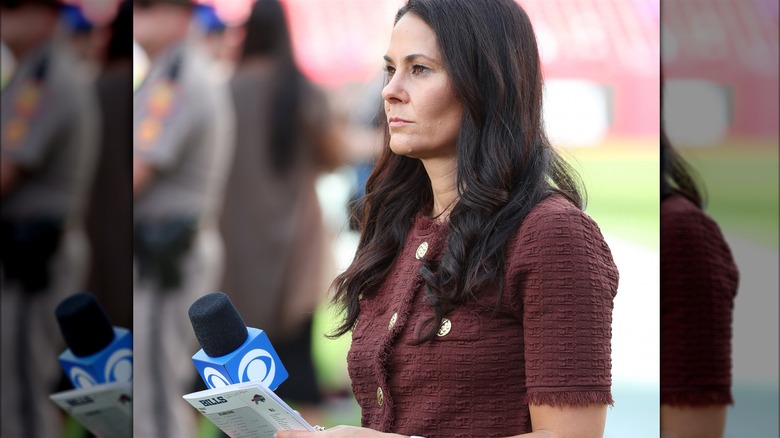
x=267 y=36
x=120 y=45
x=677 y=176
x=505 y=163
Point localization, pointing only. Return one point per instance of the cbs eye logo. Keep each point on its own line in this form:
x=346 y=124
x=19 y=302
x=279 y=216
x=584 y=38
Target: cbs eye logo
x=214 y=379
x=119 y=367
x=81 y=378
x=256 y=365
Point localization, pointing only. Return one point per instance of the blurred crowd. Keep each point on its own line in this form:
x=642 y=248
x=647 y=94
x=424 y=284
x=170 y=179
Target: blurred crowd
x=227 y=140
x=66 y=156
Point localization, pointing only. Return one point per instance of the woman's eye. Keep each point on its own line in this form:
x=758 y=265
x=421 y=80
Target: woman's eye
x=389 y=70
x=417 y=69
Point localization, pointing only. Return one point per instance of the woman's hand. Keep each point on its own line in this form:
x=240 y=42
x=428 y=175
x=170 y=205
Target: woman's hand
x=336 y=432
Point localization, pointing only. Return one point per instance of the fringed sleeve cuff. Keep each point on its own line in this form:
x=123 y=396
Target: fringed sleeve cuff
x=570 y=398
x=697 y=397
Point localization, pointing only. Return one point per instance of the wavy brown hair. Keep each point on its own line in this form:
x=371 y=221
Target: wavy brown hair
x=505 y=163
x=677 y=176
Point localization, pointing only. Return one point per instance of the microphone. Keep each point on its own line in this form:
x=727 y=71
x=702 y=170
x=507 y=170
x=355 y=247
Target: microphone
x=97 y=352
x=232 y=352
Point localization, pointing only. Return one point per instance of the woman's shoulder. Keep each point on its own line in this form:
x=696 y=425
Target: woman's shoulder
x=557 y=230
x=556 y=216
x=677 y=204
x=558 y=255
x=556 y=203
x=679 y=214
x=692 y=243
x=682 y=220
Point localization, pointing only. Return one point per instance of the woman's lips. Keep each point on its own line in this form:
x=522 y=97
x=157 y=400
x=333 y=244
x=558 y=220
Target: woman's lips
x=395 y=122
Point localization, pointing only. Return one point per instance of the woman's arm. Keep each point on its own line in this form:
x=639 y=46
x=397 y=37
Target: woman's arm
x=547 y=422
x=338 y=431
x=693 y=421
x=567 y=421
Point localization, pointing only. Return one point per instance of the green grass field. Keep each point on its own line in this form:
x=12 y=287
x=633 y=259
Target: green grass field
x=621 y=180
x=741 y=180
x=739 y=177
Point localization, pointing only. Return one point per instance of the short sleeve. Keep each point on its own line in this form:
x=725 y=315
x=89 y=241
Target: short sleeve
x=567 y=281
x=165 y=119
x=698 y=284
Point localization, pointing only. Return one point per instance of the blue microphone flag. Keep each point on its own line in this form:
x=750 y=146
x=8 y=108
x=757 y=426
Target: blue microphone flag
x=254 y=360
x=114 y=363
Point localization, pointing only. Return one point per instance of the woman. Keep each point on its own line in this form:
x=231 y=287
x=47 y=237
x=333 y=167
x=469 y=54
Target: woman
x=480 y=297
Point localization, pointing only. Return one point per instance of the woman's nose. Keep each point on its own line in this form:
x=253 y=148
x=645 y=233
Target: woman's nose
x=394 y=90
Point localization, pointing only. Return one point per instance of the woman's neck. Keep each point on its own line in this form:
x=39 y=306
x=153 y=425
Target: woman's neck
x=442 y=173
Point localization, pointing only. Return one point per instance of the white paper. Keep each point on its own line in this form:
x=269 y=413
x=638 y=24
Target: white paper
x=247 y=410
x=106 y=410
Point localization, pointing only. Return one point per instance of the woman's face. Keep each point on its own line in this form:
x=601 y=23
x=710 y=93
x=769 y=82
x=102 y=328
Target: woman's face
x=423 y=113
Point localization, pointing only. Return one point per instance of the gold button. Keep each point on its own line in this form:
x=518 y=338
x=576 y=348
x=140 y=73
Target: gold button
x=393 y=319
x=380 y=398
x=421 y=250
x=360 y=297
x=445 y=327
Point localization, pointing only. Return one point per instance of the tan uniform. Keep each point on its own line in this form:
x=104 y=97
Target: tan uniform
x=49 y=131
x=183 y=128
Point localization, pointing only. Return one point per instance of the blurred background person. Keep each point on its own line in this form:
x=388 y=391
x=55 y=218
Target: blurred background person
x=365 y=137
x=278 y=262
x=87 y=35
x=719 y=351
x=102 y=35
x=220 y=40
x=109 y=220
x=183 y=127
x=50 y=124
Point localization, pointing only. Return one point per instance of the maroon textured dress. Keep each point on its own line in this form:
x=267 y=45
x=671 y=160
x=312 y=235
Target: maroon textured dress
x=698 y=285
x=548 y=344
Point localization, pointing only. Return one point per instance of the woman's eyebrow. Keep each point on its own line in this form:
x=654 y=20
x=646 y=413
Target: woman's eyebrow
x=412 y=57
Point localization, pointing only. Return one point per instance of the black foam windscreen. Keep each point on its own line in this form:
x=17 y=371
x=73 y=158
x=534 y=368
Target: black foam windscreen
x=84 y=324
x=217 y=324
